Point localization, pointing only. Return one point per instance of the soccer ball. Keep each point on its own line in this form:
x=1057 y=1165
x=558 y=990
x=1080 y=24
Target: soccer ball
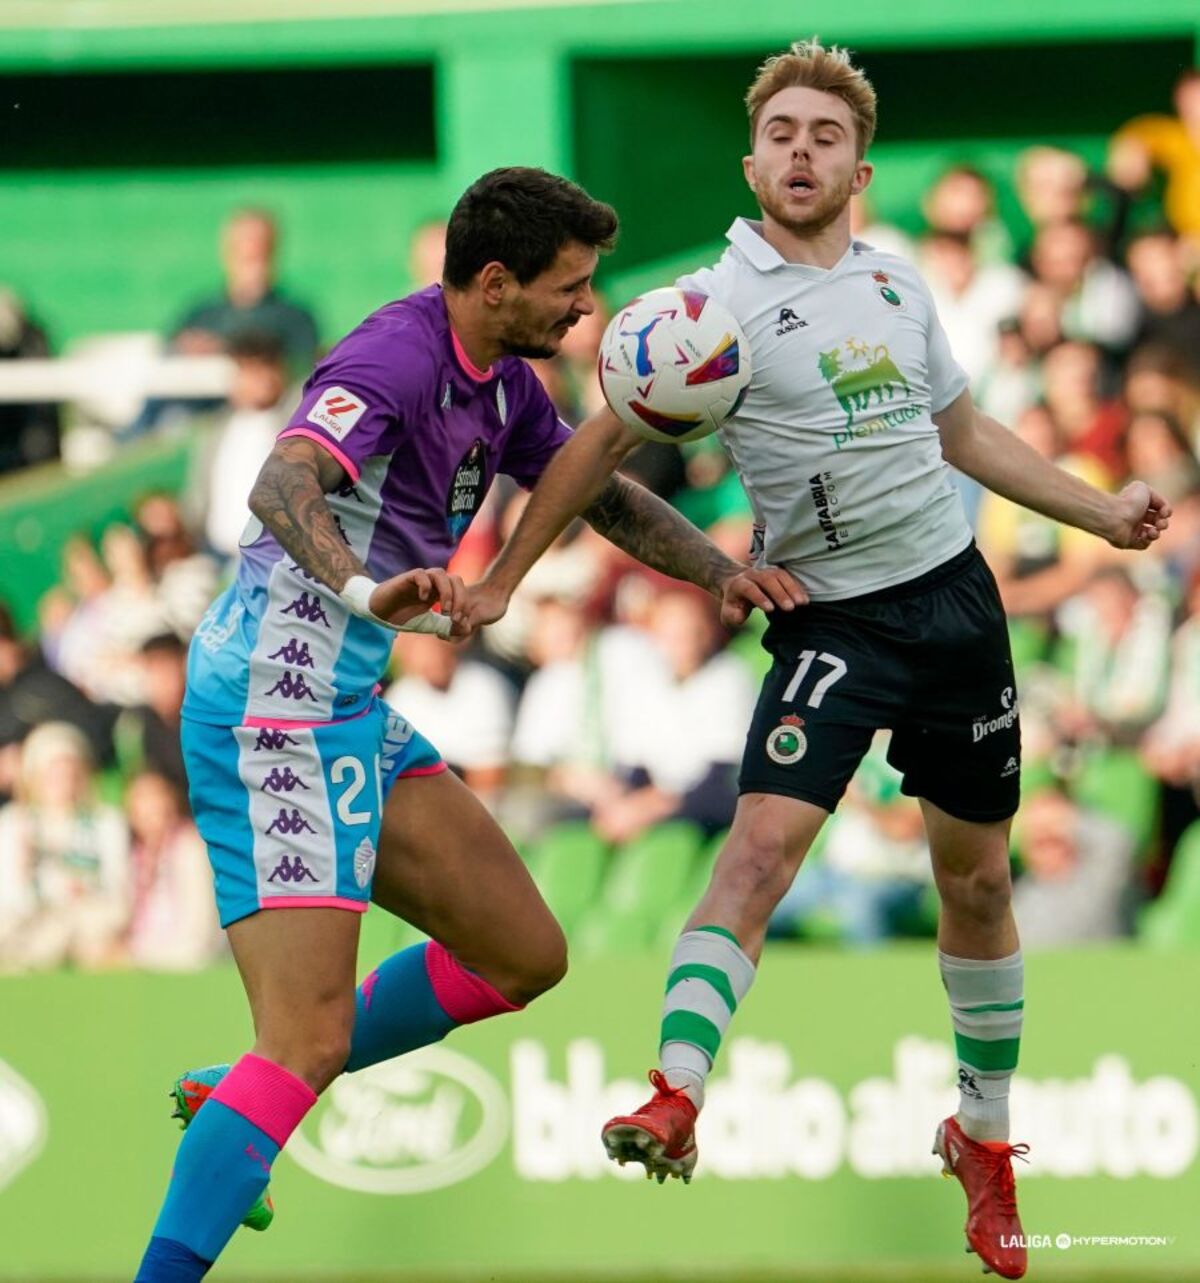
x=674 y=365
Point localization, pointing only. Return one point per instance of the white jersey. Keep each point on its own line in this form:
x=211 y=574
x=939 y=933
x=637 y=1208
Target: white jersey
x=834 y=441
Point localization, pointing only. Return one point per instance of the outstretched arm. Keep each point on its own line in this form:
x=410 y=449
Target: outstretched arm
x=986 y=450
x=580 y=480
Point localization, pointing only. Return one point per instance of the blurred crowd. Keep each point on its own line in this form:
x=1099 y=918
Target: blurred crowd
x=611 y=698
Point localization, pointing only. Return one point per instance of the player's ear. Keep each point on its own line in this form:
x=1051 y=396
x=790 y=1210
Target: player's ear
x=862 y=177
x=493 y=278
x=748 y=172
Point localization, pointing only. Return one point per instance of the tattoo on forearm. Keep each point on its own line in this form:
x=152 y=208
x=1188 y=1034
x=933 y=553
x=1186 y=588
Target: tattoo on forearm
x=643 y=525
x=289 y=499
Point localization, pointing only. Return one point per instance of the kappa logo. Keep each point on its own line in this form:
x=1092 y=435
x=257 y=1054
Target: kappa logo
x=788 y=322
x=296 y=871
x=337 y=411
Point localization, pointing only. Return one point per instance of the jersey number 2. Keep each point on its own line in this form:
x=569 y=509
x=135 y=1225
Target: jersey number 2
x=837 y=670
x=358 y=777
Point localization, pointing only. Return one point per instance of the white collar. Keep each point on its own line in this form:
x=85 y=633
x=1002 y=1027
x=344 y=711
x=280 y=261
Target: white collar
x=746 y=235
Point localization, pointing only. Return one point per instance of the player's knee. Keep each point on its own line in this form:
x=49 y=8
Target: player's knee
x=315 y=1050
x=760 y=871
x=984 y=893
x=543 y=965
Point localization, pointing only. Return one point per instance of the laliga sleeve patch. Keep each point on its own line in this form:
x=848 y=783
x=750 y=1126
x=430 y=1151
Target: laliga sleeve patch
x=337 y=411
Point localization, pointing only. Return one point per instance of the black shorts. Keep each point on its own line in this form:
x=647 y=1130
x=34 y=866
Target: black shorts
x=928 y=660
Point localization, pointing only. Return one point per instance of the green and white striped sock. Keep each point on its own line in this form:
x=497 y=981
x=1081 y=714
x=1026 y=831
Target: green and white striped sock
x=986 y=1005
x=709 y=976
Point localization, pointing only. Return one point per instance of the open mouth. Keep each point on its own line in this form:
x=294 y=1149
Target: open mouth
x=801 y=185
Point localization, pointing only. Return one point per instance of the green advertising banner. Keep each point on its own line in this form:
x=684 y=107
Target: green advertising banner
x=481 y=1155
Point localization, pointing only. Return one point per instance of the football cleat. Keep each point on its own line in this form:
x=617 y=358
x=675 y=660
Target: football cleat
x=660 y=1135
x=190 y=1091
x=984 y=1169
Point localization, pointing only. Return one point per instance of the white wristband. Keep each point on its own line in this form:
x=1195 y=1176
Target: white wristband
x=357 y=595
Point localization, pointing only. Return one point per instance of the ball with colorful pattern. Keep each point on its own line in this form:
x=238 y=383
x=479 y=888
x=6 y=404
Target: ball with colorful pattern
x=674 y=365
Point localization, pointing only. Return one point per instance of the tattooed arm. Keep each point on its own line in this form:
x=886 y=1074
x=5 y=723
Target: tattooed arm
x=289 y=499
x=580 y=480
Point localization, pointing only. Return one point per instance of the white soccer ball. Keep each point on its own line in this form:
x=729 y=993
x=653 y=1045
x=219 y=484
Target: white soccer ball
x=674 y=365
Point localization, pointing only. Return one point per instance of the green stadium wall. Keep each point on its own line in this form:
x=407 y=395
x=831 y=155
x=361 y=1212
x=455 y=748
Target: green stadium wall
x=482 y=1155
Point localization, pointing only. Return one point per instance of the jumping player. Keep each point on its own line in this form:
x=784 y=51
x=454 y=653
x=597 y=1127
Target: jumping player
x=855 y=409
x=312 y=795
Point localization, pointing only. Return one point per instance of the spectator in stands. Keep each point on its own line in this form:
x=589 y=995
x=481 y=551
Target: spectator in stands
x=1077 y=884
x=1010 y=385
x=1040 y=319
x=1056 y=186
x=260 y=402
x=1091 y=425
x=64 y=860
x=1160 y=378
x=250 y=301
x=1119 y=659
x=962 y=203
x=686 y=727
x=32 y=693
x=1170 y=144
x=1038 y=563
x=1098 y=301
x=1160 y=454
x=1171 y=311
x=971 y=299
x=28 y=433
x=172 y=922
x=146 y=737
x=465 y=707
x=185 y=579
x=117 y=609
x=867 y=227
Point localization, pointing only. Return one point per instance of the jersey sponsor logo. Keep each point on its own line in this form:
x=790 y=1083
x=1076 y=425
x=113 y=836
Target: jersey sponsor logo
x=787 y=743
x=788 y=322
x=337 y=411
x=823 y=490
x=861 y=374
x=466 y=490
x=844 y=437
x=982 y=727
x=888 y=292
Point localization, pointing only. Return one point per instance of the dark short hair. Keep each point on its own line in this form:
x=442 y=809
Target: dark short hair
x=256 y=345
x=521 y=217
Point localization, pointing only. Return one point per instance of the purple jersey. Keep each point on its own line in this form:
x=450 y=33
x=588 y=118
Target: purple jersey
x=421 y=434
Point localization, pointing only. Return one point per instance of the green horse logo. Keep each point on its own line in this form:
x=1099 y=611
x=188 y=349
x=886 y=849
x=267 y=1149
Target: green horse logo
x=878 y=380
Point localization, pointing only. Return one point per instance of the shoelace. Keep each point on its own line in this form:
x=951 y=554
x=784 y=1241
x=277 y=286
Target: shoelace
x=999 y=1161
x=658 y=1080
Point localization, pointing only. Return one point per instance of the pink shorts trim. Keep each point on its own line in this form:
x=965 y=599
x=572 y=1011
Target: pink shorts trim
x=461 y=994
x=267 y=1095
x=351 y=467
x=471 y=370
x=285 y=724
x=312 y=902
x=436 y=769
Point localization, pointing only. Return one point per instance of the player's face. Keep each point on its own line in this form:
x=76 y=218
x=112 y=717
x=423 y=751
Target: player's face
x=805 y=164
x=538 y=315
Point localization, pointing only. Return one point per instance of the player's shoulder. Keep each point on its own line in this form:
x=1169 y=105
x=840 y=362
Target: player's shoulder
x=396 y=351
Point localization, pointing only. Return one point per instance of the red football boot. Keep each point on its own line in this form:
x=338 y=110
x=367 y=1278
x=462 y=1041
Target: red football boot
x=660 y=1135
x=984 y=1169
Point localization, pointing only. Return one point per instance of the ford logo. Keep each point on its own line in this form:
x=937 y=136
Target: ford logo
x=420 y=1122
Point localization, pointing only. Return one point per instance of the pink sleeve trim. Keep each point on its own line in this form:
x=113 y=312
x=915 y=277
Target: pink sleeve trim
x=436 y=769
x=461 y=994
x=312 y=902
x=470 y=369
x=267 y=1095
x=344 y=459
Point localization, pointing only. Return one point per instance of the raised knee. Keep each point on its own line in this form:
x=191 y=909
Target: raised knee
x=542 y=968
x=317 y=1053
